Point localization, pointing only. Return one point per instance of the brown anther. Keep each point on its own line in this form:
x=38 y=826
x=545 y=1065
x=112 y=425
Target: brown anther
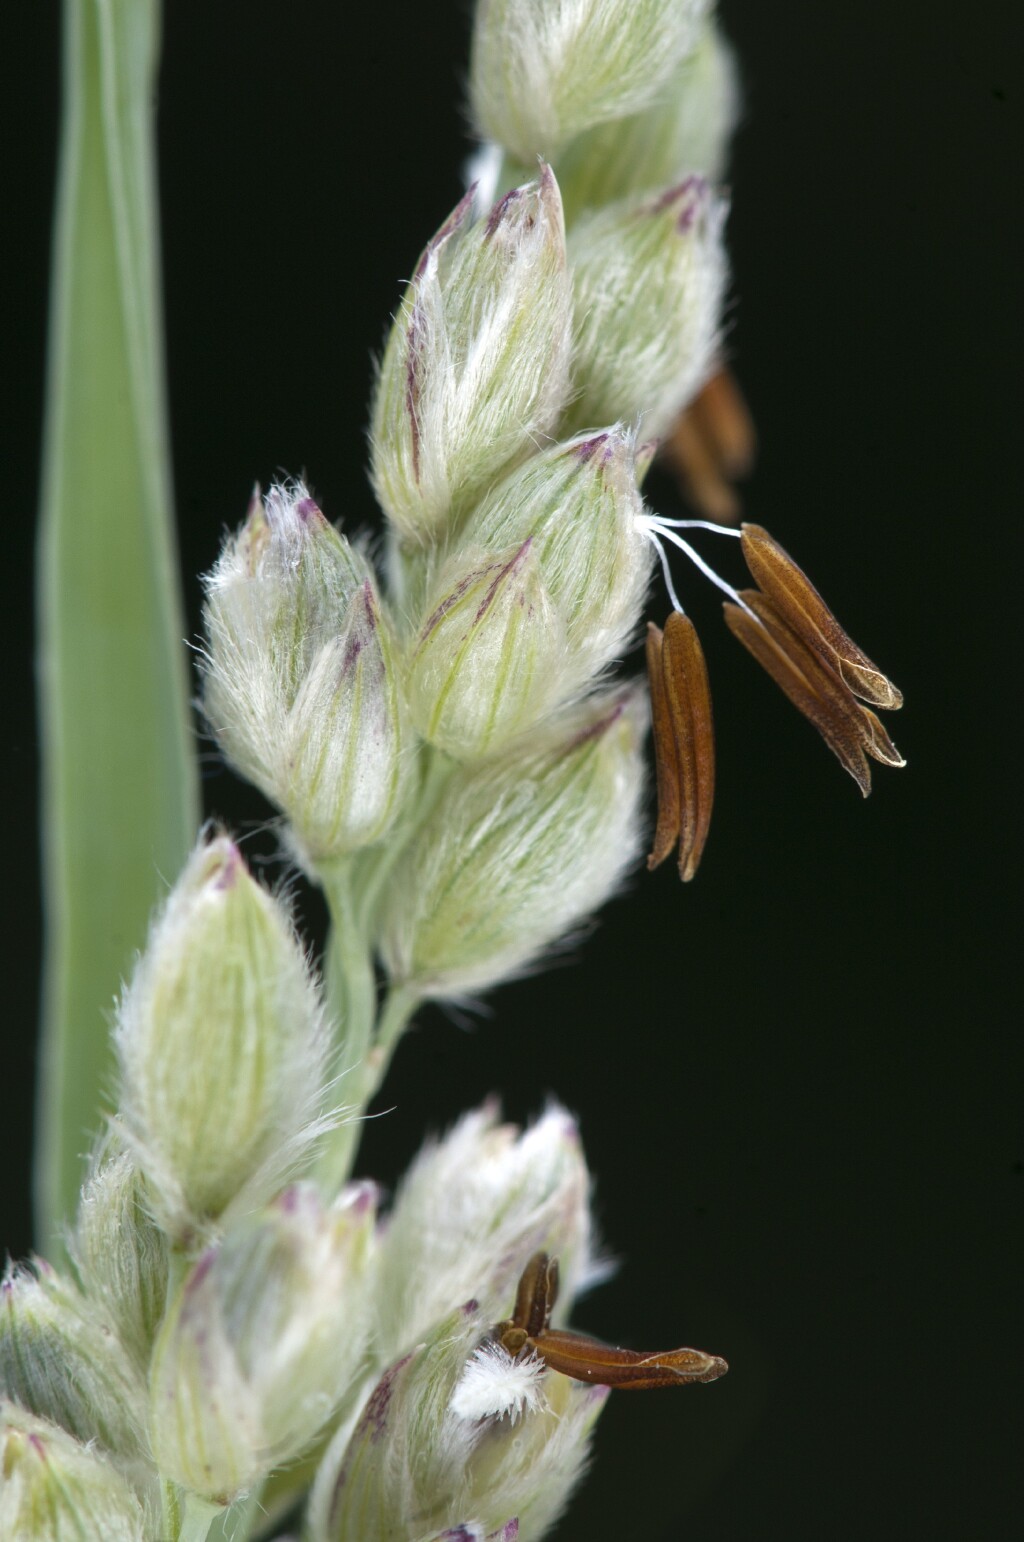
x=712 y=444
x=879 y=746
x=690 y=458
x=813 y=686
x=586 y=1359
x=684 y=742
x=802 y=608
x=666 y=770
x=536 y=1294
x=719 y=407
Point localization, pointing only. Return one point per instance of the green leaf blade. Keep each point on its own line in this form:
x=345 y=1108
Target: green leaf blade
x=120 y=791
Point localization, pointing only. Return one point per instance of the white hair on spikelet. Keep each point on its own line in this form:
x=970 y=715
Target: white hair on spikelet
x=540 y=74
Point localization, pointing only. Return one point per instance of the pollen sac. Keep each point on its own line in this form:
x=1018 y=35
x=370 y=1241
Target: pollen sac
x=801 y=608
x=541 y=74
x=585 y=1359
x=684 y=742
x=582 y=1358
x=648 y=281
x=476 y=369
x=710 y=446
x=851 y=731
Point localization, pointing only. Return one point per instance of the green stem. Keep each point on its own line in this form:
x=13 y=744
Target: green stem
x=186 y=1517
x=351 y=986
x=353 y=889
x=245 y=1518
x=399 y=1006
x=338 y=1157
x=376 y=866
x=170 y=1509
x=179 y=1263
x=197 y=1516
x=120 y=792
x=352 y=997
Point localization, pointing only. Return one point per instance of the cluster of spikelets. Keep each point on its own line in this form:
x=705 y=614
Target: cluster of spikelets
x=464 y=710
x=222 y=1339
x=236 y=1327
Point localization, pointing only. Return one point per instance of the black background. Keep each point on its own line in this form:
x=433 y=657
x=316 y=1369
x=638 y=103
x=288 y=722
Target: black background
x=799 y=1078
